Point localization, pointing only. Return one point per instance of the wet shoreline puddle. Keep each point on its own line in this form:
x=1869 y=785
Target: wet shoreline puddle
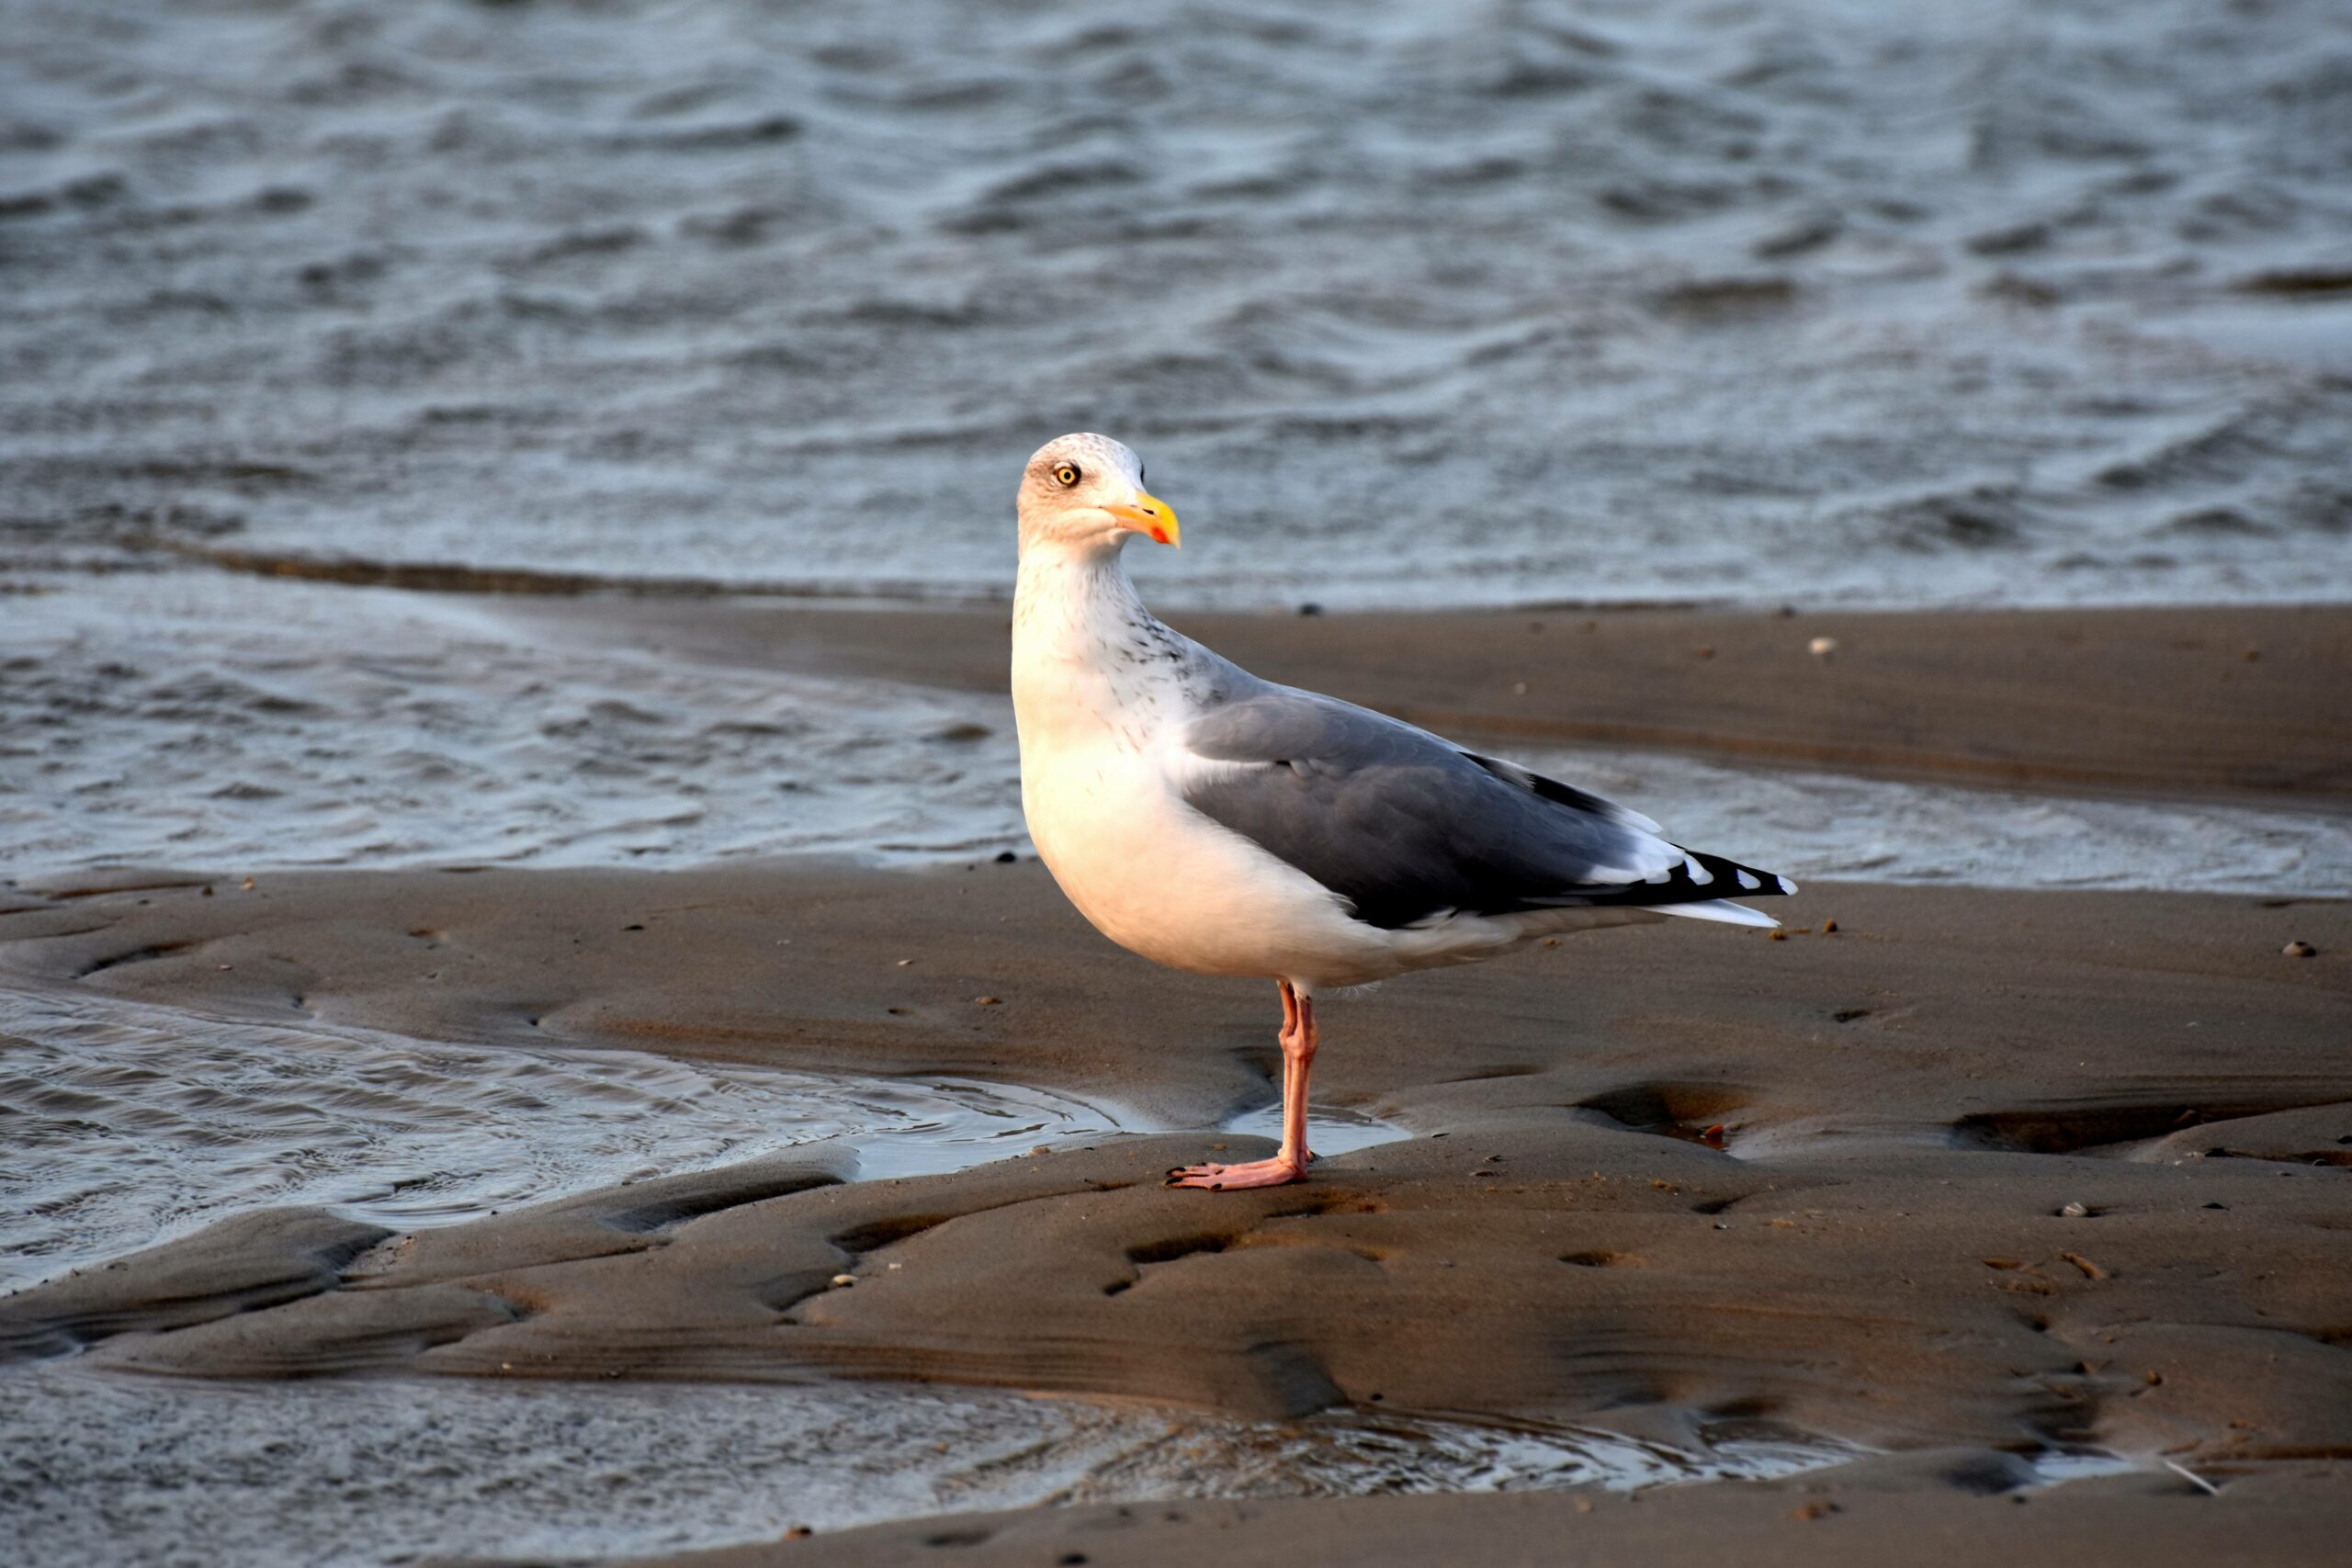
x=94 y=1465
x=132 y=1124
x=154 y=723
x=106 y=1464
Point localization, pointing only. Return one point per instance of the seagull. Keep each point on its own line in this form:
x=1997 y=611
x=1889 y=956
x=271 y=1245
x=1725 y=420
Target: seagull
x=1218 y=823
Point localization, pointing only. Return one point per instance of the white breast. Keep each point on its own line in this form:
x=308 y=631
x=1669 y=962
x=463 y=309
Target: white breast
x=1101 y=708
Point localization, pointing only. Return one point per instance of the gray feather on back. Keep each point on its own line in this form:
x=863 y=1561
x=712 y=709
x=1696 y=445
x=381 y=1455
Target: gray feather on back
x=1403 y=825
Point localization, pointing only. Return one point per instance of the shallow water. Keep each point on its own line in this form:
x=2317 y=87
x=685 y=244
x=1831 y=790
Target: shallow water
x=99 y=1468
x=148 y=721
x=171 y=722
x=130 y=1124
x=1822 y=299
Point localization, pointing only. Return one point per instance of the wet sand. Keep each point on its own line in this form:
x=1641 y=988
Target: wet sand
x=1954 y=1508
x=1883 y=1252
x=2000 y=1172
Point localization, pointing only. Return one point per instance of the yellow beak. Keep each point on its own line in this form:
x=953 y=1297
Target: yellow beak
x=1150 y=516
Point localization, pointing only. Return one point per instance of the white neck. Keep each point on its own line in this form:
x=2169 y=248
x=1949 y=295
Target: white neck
x=1076 y=602
x=1084 y=647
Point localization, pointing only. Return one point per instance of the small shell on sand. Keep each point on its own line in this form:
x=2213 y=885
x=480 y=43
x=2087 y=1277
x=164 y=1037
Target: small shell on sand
x=2299 y=949
x=844 y=1279
x=1821 y=647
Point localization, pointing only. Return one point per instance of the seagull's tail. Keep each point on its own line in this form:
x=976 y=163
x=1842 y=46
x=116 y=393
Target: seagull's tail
x=1722 y=909
x=1692 y=886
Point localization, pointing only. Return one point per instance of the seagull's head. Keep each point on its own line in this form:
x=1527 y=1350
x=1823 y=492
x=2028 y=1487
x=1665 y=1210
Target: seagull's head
x=1085 y=492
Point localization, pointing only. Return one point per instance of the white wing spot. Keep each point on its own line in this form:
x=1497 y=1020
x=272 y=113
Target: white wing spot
x=1748 y=880
x=1699 y=875
x=1786 y=886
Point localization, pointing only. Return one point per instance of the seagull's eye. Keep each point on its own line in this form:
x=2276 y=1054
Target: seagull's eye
x=1068 y=475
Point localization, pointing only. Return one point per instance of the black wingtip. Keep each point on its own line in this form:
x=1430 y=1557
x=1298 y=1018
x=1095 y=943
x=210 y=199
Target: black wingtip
x=1697 y=877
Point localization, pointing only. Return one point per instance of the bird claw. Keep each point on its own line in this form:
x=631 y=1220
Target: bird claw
x=1272 y=1172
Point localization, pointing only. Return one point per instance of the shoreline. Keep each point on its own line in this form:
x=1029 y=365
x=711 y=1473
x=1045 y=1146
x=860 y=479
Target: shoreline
x=2249 y=702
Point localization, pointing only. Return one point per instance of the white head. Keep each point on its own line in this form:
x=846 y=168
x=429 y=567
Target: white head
x=1084 y=493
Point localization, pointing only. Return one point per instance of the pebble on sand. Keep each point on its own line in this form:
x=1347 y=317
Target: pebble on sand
x=1821 y=647
x=2299 y=949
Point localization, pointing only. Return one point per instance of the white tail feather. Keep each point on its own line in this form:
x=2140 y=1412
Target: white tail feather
x=1722 y=909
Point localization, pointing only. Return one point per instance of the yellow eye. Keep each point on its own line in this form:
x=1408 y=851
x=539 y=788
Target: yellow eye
x=1068 y=473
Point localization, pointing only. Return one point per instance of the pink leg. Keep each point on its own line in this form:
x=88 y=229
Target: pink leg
x=1293 y=1081
x=1289 y=1163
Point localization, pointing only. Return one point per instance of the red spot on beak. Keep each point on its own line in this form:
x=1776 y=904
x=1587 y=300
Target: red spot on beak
x=1158 y=536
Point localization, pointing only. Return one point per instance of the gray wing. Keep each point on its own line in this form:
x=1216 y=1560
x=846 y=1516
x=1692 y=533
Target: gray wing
x=1408 y=827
